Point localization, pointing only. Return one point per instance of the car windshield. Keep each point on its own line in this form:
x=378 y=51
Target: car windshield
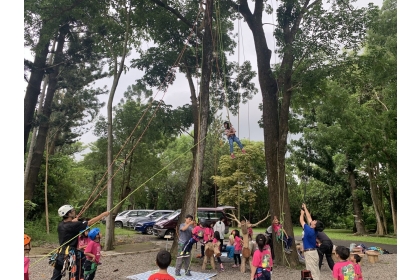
x=174 y=214
x=143 y=213
x=161 y=217
x=122 y=213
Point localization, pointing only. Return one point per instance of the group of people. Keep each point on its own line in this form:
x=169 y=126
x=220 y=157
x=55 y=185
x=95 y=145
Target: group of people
x=81 y=256
x=316 y=244
x=190 y=234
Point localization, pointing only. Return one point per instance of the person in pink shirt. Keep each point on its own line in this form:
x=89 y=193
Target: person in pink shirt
x=344 y=269
x=82 y=242
x=262 y=262
x=355 y=259
x=26 y=250
x=208 y=236
x=238 y=248
x=197 y=235
x=93 y=254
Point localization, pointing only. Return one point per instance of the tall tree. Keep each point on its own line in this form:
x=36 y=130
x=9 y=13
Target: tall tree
x=201 y=52
x=306 y=31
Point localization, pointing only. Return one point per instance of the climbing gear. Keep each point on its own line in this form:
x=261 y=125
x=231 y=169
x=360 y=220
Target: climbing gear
x=63 y=210
x=89 y=267
x=52 y=259
x=93 y=233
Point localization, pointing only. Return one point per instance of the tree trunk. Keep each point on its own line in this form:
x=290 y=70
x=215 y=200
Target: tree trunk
x=44 y=118
x=189 y=205
x=274 y=158
x=360 y=225
x=109 y=231
x=34 y=85
x=393 y=203
x=374 y=190
x=46 y=192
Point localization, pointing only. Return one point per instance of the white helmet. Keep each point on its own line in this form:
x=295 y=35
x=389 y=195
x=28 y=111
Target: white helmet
x=63 y=210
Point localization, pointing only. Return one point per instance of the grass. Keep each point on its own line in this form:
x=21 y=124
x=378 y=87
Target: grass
x=341 y=234
x=39 y=235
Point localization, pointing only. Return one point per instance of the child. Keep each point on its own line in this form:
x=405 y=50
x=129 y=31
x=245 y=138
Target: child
x=230 y=134
x=282 y=235
x=344 y=269
x=93 y=254
x=82 y=243
x=197 y=235
x=216 y=239
x=208 y=237
x=261 y=261
x=355 y=259
x=26 y=250
x=238 y=248
x=163 y=260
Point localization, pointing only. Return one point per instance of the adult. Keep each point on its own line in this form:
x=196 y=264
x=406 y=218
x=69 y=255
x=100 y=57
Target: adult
x=220 y=228
x=68 y=230
x=185 y=234
x=310 y=229
x=325 y=248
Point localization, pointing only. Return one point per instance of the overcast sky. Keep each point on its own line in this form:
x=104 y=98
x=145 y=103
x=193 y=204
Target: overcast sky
x=178 y=94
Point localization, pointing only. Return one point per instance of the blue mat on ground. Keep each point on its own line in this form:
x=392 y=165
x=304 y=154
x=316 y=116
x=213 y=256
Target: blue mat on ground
x=171 y=271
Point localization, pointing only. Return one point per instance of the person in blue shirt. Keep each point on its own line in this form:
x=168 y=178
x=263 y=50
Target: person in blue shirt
x=310 y=230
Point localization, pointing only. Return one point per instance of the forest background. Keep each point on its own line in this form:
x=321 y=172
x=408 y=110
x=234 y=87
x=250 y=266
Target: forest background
x=86 y=170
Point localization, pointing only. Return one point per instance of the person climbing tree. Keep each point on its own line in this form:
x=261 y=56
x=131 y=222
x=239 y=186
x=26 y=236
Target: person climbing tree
x=230 y=133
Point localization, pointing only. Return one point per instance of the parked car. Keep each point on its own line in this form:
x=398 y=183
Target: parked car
x=132 y=222
x=103 y=220
x=121 y=220
x=168 y=226
x=146 y=227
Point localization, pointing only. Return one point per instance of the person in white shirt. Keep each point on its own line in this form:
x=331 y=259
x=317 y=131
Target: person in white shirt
x=220 y=227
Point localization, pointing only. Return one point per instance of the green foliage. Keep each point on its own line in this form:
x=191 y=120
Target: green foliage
x=240 y=180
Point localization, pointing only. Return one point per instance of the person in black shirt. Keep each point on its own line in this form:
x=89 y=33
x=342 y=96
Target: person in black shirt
x=325 y=248
x=68 y=230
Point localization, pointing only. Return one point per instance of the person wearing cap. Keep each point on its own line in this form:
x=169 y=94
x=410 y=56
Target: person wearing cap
x=309 y=242
x=26 y=250
x=93 y=254
x=185 y=234
x=68 y=230
x=230 y=133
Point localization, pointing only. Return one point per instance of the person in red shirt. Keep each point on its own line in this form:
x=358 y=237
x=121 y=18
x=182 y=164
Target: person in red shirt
x=262 y=261
x=82 y=242
x=93 y=254
x=26 y=250
x=355 y=259
x=163 y=260
x=344 y=269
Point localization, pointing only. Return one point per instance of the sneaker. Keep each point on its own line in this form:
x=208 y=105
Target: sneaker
x=181 y=255
x=188 y=273
x=222 y=268
x=243 y=151
x=177 y=273
x=232 y=156
x=235 y=265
